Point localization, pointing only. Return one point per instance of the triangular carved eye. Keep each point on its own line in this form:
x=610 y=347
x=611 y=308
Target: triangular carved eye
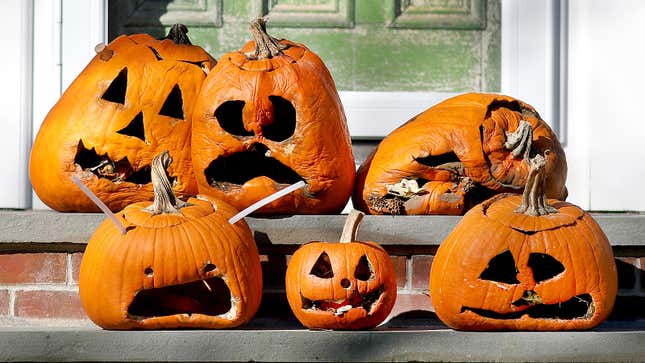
x=501 y=268
x=174 y=104
x=284 y=120
x=134 y=128
x=322 y=267
x=544 y=266
x=364 y=270
x=229 y=117
x=116 y=91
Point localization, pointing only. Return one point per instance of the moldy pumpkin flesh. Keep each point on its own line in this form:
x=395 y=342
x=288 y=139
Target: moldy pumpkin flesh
x=132 y=101
x=264 y=120
x=457 y=154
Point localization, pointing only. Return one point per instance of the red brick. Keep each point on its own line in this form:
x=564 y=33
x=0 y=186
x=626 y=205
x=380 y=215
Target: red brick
x=421 y=271
x=411 y=302
x=4 y=302
x=400 y=270
x=626 y=267
x=33 y=268
x=48 y=304
x=76 y=266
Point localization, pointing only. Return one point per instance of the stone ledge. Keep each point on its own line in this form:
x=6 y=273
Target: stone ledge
x=605 y=344
x=70 y=231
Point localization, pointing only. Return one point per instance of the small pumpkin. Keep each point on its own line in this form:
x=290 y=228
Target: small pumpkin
x=179 y=265
x=131 y=102
x=346 y=285
x=524 y=263
x=268 y=116
x=457 y=154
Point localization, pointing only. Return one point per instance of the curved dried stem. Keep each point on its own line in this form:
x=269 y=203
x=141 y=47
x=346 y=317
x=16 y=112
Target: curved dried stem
x=165 y=200
x=266 y=46
x=520 y=141
x=350 y=228
x=534 y=201
x=178 y=33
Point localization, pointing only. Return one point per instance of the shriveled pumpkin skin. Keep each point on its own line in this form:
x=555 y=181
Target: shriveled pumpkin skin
x=262 y=124
x=538 y=295
x=131 y=102
x=458 y=146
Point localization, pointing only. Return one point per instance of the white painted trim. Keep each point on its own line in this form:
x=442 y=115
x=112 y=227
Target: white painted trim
x=15 y=102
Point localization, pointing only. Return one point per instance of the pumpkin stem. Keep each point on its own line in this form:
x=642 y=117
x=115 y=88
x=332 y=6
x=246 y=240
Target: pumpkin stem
x=534 y=201
x=520 y=141
x=266 y=46
x=350 y=229
x=178 y=34
x=165 y=200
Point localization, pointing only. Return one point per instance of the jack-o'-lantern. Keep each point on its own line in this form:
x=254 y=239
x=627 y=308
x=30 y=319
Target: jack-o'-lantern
x=268 y=116
x=132 y=101
x=346 y=285
x=457 y=154
x=179 y=265
x=524 y=263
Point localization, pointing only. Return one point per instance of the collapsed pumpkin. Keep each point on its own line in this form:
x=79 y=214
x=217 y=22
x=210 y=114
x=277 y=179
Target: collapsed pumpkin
x=524 y=263
x=457 y=154
x=269 y=116
x=179 y=265
x=132 y=101
x=346 y=285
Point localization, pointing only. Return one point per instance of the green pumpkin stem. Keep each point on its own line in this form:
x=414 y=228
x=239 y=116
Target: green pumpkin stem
x=350 y=229
x=266 y=46
x=165 y=201
x=178 y=34
x=534 y=201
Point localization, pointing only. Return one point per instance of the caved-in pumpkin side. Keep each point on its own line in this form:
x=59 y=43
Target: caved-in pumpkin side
x=457 y=154
x=179 y=265
x=346 y=285
x=268 y=116
x=132 y=101
x=522 y=262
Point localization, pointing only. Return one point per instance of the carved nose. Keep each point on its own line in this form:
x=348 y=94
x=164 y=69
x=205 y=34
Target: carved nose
x=529 y=297
x=345 y=283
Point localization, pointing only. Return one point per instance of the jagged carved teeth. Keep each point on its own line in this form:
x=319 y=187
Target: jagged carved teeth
x=103 y=166
x=339 y=307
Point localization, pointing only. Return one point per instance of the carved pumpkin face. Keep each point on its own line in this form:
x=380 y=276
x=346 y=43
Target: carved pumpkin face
x=457 y=154
x=131 y=102
x=184 y=269
x=347 y=285
x=502 y=270
x=262 y=123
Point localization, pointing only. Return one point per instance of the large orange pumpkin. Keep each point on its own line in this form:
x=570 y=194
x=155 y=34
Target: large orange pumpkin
x=179 y=265
x=457 y=154
x=524 y=263
x=269 y=116
x=131 y=102
x=346 y=285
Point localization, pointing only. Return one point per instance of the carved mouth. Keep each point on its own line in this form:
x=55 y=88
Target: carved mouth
x=238 y=168
x=578 y=307
x=340 y=307
x=104 y=167
x=207 y=297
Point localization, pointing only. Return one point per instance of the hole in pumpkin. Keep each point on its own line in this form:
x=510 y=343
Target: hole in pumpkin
x=116 y=90
x=284 y=120
x=501 y=268
x=209 y=297
x=243 y=166
x=341 y=306
x=149 y=272
x=173 y=106
x=345 y=283
x=209 y=267
x=364 y=270
x=154 y=51
x=322 y=267
x=103 y=167
x=544 y=266
x=436 y=160
x=229 y=117
x=578 y=307
x=134 y=128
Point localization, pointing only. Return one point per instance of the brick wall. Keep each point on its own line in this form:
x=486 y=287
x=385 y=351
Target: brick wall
x=42 y=288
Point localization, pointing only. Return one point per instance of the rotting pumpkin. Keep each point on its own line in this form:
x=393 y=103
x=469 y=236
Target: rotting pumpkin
x=347 y=285
x=268 y=116
x=457 y=154
x=132 y=101
x=179 y=265
x=524 y=263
